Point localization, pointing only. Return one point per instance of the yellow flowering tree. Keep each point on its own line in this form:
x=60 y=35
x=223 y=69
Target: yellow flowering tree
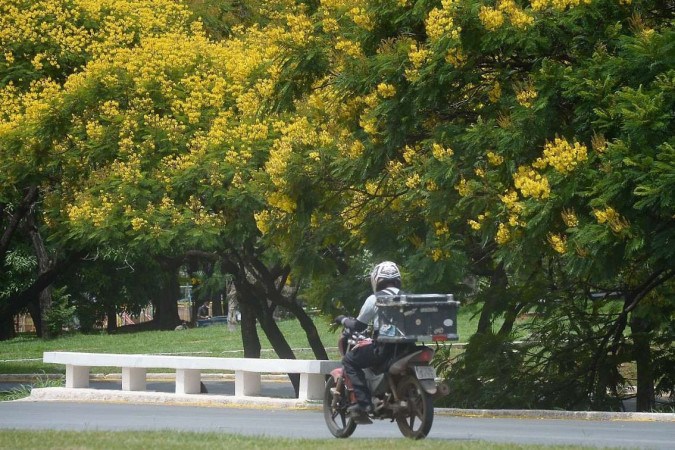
x=497 y=150
x=42 y=43
x=159 y=146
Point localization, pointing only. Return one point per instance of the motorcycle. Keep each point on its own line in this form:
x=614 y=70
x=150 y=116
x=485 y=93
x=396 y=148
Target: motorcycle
x=402 y=390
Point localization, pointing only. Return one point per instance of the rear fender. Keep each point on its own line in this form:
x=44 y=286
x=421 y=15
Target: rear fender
x=423 y=355
x=429 y=386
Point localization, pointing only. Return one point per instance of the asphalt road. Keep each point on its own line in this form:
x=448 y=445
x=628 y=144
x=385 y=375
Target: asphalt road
x=310 y=424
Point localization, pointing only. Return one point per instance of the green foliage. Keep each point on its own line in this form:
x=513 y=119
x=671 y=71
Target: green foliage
x=19 y=266
x=41 y=381
x=488 y=375
x=60 y=317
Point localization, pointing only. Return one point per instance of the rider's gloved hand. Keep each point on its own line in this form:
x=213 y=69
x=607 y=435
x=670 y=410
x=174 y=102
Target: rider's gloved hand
x=338 y=320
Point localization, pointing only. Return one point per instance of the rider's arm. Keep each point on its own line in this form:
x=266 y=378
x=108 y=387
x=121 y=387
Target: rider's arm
x=366 y=315
x=354 y=324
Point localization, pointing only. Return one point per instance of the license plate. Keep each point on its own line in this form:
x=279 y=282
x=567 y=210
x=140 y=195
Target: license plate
x=425 y=372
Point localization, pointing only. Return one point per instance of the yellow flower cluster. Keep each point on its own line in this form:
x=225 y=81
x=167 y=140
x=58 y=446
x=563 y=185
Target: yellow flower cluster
x=91 y=210
x=525 y=96
x=300 y=29
x=395 y=168
x=297 y=131
x=385 y=90
x=418 y=56
x=355 y=150
x=282 y=201
x=562 y=156
x=439 y=22
x=349 y=48
x=478 y=224
x=494 y=159
x=531 y=183
x=463 y=188
x=130 y=170
x=503 y=235
x=369 y=125
x=329 y=24
x=410 y=154
x=517 y=17
x=455 y=57
x=495 y=93
x=441 y=228
x=200 y=215
x=441 y=153
x=438 y=254
x=138 y=223
x=361 y=18
x=612 y=218
x=561 y=5
x=570 y=218
x=11 y=103
x=491 y=18
x=413 y=181
x=262 y=221
x=475 y=225
x=353 y=214
x=557 y=242
x=372 y=187
x=510 y=200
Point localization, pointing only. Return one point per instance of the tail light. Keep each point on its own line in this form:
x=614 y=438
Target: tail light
x=425 y=355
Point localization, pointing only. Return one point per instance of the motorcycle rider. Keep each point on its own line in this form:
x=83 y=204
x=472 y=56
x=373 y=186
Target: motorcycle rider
x=385 y=279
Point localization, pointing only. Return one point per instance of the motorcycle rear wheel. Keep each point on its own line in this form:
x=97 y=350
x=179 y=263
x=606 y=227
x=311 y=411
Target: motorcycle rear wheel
x=416 y=421
x=340 y=424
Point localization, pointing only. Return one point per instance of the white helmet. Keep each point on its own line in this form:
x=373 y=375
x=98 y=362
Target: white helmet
x=386 y=270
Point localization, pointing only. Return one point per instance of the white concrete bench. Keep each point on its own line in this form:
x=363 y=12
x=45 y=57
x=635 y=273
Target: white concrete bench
x=247 y=371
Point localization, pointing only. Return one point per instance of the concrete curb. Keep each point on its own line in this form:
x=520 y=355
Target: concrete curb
x=556 y=414
x=138 y=397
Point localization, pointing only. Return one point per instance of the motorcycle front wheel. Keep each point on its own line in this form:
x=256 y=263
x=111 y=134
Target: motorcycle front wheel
x=336 y=416
x=415 y=421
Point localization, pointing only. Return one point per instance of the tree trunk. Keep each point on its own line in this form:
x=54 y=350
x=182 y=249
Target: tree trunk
x=217 y=304
x=111 y=312
x=166 y=302
x=642 y=353
x=44 y=265
x=7 y=330
x=492 y=298
x=249 y=331
x=253 y=297
x=278 y=341
x=36 y=316
x=308 y=326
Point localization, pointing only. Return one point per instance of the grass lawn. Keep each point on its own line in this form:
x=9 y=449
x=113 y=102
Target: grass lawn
x=16 y=439
x=23 y=355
